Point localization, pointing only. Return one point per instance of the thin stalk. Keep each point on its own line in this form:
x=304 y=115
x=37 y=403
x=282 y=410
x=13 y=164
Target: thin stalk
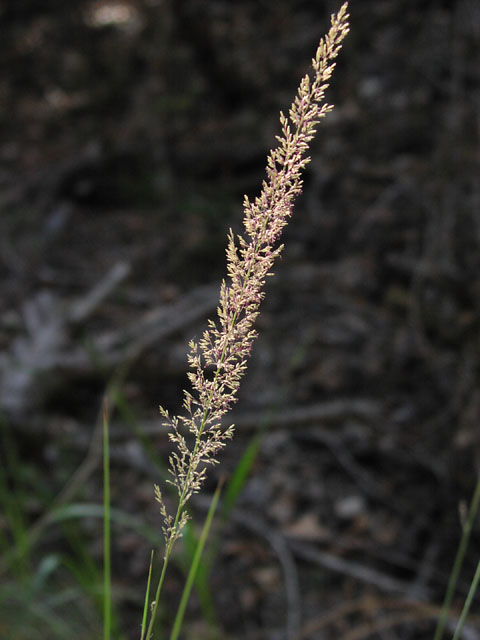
x=107 y=584
x=161 y=580
x=147 y=599
x=182 y=501
x=457 y=565
x=195 y=563
x=468 y=602
x=226 y=345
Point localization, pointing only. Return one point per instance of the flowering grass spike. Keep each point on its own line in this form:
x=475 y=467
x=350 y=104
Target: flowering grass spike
x=218 y=362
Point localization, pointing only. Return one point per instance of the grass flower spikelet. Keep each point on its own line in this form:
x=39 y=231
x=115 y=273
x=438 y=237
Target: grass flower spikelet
x=218 y=361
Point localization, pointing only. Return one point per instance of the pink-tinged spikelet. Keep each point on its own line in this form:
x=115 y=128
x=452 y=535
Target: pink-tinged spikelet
x=218 y=362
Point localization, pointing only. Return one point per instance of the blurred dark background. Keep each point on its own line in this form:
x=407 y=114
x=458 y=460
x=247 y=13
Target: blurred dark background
x=130 y=131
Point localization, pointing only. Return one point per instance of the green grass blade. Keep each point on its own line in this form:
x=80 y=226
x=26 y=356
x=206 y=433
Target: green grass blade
x=239 y=477
x=13 y=498
x=47 y=567
x=457 y=565
x=233 y=489
x=78 y=511
x=202 y=583
x=177 y=625
x=147 y=599
x=107 y=577
x=468 y=602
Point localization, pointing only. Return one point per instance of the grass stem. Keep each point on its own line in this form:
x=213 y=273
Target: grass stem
x=195 y=563
x=107 y=592
x=457 y=565
x=468 y=602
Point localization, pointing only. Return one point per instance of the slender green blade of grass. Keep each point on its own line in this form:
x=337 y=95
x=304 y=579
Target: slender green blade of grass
x=78 y=511
x=32 y=612
x=239 y=477
x=202 y=583
x=49 y=619
x=13 y=498
x=468 y=602
x=457 y=565
x=155 y=604
x=233 y=489
x=47 y=567
x=80 y=562
x=177 y=625
x=107 y=577
x=147 y=599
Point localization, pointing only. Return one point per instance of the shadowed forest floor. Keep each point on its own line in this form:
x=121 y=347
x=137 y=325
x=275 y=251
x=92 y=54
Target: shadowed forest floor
x=130 y=131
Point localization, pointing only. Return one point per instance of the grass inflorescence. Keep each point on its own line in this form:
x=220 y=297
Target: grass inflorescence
x=218 y=361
